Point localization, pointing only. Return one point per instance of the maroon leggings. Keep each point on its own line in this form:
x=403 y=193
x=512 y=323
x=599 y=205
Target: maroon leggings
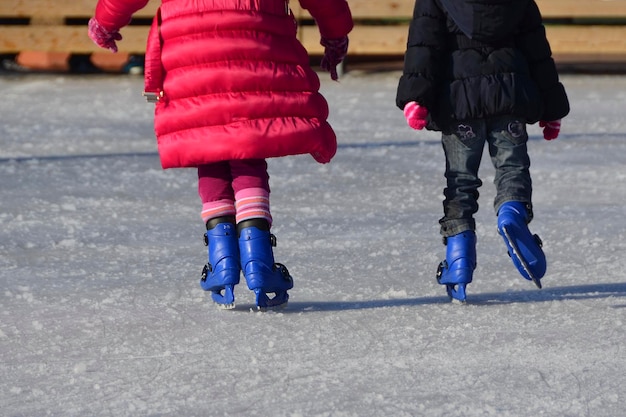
x=221 y=180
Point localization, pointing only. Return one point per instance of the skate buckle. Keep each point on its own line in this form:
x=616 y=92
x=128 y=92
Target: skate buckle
x=205 y=272
x=442 y=265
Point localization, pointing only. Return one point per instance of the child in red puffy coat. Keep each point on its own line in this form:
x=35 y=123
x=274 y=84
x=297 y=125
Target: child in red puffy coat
x=233 y=86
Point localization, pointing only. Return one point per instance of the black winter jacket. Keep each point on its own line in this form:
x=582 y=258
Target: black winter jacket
x=473 y=59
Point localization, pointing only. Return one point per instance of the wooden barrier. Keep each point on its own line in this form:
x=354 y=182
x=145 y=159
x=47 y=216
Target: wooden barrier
x=61 y=26
x=578 y=30
x=584 y=31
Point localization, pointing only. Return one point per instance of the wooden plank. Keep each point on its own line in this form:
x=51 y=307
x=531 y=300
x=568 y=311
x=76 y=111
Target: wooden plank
x=597 y=41
x=580 y=40
x=66 y=39
x=59 y=61
x=364 y=40
x=403 y=9
x=369 y=9
x=64 y=8
x=582 y=8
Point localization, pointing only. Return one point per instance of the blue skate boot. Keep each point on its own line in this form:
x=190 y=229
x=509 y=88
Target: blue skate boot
x=458 y=268
x=262 y=274
x=222 y=272
x=523 y=247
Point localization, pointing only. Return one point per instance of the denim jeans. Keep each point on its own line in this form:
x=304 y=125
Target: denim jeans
x=463 y=145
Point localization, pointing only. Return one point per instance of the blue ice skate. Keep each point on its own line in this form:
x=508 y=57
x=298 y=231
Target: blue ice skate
x=262 y=274
x=523 y=247
x=222 y=272
x=458 y=268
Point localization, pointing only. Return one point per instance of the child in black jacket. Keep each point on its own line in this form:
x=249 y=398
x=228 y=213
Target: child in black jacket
x=480 y=72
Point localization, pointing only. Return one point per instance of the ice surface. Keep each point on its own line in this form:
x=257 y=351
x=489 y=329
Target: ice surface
x=101 y=313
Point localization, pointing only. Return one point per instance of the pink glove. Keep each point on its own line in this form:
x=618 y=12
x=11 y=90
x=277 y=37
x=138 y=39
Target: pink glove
x=103 y=37
x=335 y=51
x=415 y=115
x=551 y=129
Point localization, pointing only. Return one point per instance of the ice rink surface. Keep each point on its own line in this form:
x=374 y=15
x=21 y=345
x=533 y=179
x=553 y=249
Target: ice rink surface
x=101 y=313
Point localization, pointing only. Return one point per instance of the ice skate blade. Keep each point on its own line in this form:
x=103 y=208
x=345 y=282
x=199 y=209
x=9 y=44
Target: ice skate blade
x=225 y=299
x=264 y=302
x=230 y=306
x=457 y=293
x=516 y=252
x=278 y=307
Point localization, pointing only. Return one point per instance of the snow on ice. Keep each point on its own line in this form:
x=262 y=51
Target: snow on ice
x=101 y=313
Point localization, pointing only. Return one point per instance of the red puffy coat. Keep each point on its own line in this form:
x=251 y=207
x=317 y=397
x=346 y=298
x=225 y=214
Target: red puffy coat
x=236 y=81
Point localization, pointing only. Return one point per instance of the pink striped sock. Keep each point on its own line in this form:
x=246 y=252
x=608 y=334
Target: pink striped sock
x=219 y=208
x=253 y=203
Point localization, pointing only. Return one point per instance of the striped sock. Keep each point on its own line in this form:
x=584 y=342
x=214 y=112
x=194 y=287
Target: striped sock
x=219 y=208
x=253 y=203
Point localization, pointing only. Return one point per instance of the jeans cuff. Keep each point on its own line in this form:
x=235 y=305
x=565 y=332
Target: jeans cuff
x=456 y=226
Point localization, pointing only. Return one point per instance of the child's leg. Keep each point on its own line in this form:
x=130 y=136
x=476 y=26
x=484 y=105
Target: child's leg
x=215 y=190
x=252 y=190
x=263 y=275
x=509 y=154
x=513 y=204
x=463 y=147
x=222 y=272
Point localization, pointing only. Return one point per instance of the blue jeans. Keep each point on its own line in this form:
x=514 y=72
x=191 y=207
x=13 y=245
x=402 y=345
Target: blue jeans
x=463 y=145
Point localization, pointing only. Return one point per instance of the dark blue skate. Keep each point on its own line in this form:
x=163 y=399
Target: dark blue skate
x=262 y=274
x=222 y=272
x=458 y=268
x=523 y=247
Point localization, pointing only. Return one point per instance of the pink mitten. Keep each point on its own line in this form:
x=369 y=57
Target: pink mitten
x=335 y=51
x=415 y=115
x=551 y=129
x=102 y=37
